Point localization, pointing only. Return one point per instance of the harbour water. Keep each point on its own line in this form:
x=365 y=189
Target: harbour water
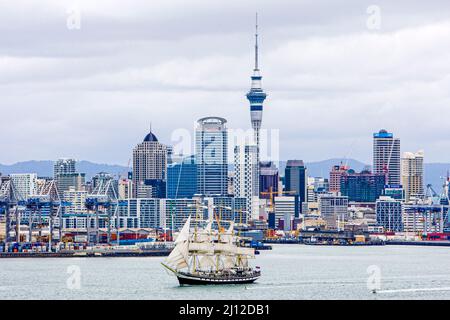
x=289 y=272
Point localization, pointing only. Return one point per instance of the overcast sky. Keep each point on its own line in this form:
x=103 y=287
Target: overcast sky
x=333 y=72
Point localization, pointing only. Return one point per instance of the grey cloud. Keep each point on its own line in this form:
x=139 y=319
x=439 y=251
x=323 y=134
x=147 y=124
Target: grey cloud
x=331 y=82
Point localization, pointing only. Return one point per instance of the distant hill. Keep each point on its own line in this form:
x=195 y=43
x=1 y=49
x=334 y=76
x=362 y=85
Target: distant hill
x=433 y=171
x=45 y=168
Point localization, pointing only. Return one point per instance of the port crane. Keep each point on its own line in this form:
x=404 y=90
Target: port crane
x=11 y=202
x=104 y=202
x=44 y=209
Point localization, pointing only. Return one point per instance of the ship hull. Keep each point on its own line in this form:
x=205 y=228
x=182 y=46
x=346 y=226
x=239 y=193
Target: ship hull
x=185 y=279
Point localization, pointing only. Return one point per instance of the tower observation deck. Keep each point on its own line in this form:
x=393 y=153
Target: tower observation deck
x=256 y=97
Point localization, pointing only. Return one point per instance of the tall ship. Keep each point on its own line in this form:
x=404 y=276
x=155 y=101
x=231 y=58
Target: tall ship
x=204 y=256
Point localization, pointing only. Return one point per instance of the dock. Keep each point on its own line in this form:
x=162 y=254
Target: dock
x=86 y=254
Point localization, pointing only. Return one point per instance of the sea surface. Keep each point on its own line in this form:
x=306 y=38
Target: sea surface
x=288 y=272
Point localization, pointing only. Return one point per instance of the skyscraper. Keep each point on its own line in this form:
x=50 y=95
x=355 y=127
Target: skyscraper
x=182 y=178
x=246 y=178
x=64 y=166
x=149 y=168
x=66 y=176
x=386 y=156
x=296 y=180
x=211 y=153
x=256 y=97
x=412 y=174
x=268 y=178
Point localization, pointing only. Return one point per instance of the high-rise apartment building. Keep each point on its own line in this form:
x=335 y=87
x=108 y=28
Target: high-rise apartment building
x=386 y=156
x=150 y=168
x=246 y=177
x=211 y=153
x=25 y=184
x=64 y=166
x=67 y=177
x=412 y=174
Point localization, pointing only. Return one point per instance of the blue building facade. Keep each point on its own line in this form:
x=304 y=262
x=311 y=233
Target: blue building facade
x=362 y=187
x=182 y=179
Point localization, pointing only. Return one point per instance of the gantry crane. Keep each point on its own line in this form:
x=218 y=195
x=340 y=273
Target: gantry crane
x=104 y=202
x=44 y=209
x=10 y=202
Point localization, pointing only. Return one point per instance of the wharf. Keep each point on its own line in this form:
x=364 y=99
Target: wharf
x=86 y=254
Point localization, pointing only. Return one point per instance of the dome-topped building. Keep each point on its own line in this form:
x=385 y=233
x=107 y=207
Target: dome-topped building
x=149 y=168
x=150 y=137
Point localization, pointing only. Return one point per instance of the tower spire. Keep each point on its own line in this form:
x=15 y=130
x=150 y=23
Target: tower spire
x=256 y=43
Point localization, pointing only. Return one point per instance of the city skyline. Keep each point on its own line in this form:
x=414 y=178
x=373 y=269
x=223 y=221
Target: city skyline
x=311 y=69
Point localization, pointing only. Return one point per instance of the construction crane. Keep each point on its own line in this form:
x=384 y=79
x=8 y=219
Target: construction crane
x=271 y=195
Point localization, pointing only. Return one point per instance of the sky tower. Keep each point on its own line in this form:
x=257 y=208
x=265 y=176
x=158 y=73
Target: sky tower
x=256 y=96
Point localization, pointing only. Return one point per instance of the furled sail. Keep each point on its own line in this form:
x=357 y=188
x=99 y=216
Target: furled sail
x=224 y=248
x=202 y=247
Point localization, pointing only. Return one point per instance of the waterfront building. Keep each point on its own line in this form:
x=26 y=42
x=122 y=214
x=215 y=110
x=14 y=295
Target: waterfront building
x=389 y=214
x=333 y=209
x=286 y=209
x=246 y=178
x=182 y=178
x=386 y=156
x=76 y=201
x=362 y=187
x=295 y=180
x=335 y=177
x=256 y=97
x=150 y=168
x=25 y=184
x=268 y=178
x=425 y=218
x=211 y=153
x=75 y=211
x=412 y=175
